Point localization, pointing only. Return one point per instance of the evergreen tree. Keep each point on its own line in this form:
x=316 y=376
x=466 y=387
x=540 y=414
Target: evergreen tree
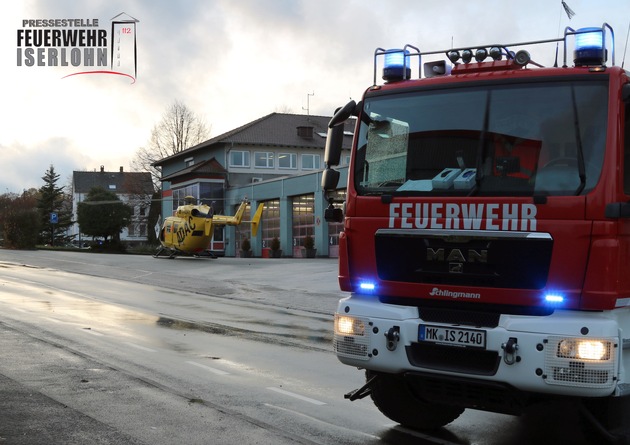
x=52 y=199
x=103 y=214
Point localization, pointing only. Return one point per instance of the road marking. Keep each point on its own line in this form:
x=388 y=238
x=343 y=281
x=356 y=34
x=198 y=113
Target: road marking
x=90 y=331
x=52 y=319
x=142 y=348
x=297 y=396
x=208 y=368
x=18 y=309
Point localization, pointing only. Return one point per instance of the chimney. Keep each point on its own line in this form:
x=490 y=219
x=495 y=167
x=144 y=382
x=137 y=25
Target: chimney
x=102 y=168
x=121 y=169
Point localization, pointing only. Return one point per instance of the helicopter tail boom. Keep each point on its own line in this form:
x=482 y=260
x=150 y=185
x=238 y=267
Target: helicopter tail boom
x=256 y=219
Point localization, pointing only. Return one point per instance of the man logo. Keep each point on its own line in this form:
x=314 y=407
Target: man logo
x=457 y=255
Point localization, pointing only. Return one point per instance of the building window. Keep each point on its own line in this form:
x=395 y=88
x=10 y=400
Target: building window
x=263 y=159
x=287 y=160
x=270 y=223
x=239 y=158
x=189 y=162
x=180 y=194
x=303 y=221
x=310 y=162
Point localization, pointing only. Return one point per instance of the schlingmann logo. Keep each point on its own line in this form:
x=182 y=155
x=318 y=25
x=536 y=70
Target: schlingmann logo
x=72 y=42
x=436 y=292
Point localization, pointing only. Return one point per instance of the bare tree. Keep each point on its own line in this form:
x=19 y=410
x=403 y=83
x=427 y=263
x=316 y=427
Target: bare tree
x=179 y=129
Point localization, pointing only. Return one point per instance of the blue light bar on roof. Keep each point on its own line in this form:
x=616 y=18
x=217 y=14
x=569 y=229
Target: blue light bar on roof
x=396 y=65
x=589 y=47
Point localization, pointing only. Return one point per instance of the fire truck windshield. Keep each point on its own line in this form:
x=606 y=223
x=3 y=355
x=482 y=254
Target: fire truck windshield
x=496 y=139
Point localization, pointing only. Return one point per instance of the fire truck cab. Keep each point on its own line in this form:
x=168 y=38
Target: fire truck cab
x=486 y=242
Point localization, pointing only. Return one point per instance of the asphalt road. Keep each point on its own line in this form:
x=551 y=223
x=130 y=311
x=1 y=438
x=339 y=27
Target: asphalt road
x=131 y=349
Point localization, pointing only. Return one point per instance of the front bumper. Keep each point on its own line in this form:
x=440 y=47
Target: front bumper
x=566 y=353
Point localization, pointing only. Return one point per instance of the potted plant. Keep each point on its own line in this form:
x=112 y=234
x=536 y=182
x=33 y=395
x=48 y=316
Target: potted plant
x=276 y=252
x=309 y=247
x=246 y=248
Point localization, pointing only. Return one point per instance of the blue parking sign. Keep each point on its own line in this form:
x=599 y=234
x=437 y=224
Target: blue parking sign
x=54 y=219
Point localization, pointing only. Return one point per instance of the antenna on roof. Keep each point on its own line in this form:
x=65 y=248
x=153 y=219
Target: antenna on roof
x=308 y=97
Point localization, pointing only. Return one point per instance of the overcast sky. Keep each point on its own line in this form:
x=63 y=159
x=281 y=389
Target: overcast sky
x=232 y=62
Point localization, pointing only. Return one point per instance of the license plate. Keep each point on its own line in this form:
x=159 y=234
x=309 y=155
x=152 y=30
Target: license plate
x=473 y=338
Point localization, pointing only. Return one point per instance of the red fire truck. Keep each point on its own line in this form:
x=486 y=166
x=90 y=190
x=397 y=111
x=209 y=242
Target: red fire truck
x=486 y=241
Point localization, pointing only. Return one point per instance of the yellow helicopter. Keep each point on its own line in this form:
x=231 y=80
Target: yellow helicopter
x=189 y=232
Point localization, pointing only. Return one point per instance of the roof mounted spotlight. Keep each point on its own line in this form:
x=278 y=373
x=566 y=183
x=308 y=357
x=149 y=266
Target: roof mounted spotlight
x=481 y=54
x=453 y=56
x=589 y=47
x=522 y=58
x=467 y=55
x=396 y=65
x=495 y=53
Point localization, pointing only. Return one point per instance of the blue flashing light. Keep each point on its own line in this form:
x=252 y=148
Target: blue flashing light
x=396 y=65
x=395 y=58
x=589 y=47
x=367 y=286
x=589 y=38
x=554 y=298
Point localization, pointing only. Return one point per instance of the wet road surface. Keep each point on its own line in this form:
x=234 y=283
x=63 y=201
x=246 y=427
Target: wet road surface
x=177 y=351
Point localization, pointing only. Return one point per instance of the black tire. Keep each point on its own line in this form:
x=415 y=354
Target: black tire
x=603 y=421
x=392 y=396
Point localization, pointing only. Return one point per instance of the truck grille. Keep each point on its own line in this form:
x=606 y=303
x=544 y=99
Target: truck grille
x=464 y=258
x=454 y=316
x=453 y=359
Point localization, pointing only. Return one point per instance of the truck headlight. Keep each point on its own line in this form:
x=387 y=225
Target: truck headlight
x=586 y=349
x=581 y=362
x=345 y=325
x=350 y=339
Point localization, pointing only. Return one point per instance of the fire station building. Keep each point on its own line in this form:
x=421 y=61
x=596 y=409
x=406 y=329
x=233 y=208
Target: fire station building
x=276 y=160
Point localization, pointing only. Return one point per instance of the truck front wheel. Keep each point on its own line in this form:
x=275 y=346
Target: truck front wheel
x=392 y=396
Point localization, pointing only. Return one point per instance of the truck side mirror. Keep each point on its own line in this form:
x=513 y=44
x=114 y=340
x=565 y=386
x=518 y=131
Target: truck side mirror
x=334 y=137
x=330 y=179
x=334 y=143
